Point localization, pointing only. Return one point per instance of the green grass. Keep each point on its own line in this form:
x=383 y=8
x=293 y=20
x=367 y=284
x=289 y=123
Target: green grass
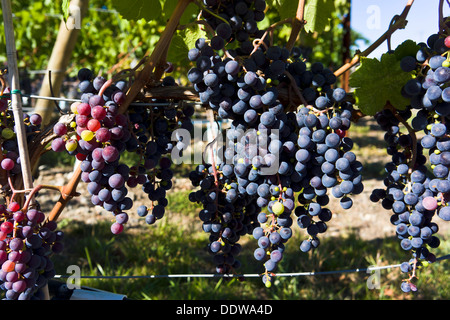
x=170 y=248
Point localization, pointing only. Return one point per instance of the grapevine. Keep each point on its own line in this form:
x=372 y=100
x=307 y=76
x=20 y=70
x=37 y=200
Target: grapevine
x=414 y=195
x=273 y=149
x=286 y=151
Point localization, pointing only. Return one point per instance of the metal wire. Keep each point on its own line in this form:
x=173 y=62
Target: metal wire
x=251 y=275
x=155 y=104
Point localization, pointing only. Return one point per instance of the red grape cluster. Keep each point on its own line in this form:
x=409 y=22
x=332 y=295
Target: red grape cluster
x=96 y=137
x=27 y=241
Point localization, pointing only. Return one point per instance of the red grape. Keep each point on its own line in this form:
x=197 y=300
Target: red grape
x=98 y=112
x=7 y=164
x=116 y=228
x=84 y=109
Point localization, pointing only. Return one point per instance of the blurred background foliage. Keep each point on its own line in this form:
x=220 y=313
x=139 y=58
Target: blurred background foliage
x=108 y=42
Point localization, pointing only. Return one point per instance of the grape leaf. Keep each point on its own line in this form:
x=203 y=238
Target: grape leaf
x=285 y=8
x=318 y=14
x=378 y=81
x=138 y=9
x=406 y=48
x=183 y=41
x=178 y=50
x=189 y=13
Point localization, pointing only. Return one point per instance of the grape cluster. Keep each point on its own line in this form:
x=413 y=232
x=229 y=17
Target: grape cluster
x=99 y=134
x=414 y=194
x=274 y=150
x=10 y=160
x=96 y=137
x=226 y=215
x=27 y=241
x=234 y=21
x=152 y=141
x=325 y=162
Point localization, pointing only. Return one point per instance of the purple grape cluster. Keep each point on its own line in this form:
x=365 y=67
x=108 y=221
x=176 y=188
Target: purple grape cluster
x=413 y=194
x=97 y=137
x=273 y=148
x=153 y=128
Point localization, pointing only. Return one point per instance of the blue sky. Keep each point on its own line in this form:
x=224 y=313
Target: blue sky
x=371 y=18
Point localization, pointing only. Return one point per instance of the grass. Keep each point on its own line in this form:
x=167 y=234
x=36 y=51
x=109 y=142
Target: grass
x=170 y=248
x=176 y=245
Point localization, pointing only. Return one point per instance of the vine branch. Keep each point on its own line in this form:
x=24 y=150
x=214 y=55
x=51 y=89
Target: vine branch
x=297 y=24
x=400 y=23
x=157 y=56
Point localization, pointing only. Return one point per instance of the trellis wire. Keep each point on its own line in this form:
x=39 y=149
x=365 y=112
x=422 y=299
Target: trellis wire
x=251 y=275
x=33 y=96
x=148 y=104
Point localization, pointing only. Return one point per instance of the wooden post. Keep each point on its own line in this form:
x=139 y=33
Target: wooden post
x=16 y=102
x=60 y=58
x=16 y=99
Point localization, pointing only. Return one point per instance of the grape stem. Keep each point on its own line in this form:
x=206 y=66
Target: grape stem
x=400 y=23
x=14 y=191
x=442 y=25
x=67 y=193
x=295 y=87
x=37 y=189
x=413 y=274
x=268 y=30
x=203 y=7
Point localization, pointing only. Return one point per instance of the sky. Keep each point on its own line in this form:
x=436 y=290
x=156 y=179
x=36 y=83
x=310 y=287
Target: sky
x=371 y=18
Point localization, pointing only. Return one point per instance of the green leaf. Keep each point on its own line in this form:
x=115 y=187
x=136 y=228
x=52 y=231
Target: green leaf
x=138 y=9
x=189 y=13
x=378 y=81
x=65 y=8
x=286 y=8
x=318 y=14
x=406 y=48
x=183 y=41
x=178 y=49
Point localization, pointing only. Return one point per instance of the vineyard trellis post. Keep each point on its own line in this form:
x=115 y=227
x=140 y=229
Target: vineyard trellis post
x=16 y=103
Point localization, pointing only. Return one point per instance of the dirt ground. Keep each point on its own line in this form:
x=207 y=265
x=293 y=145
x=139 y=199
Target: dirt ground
x=366 y=219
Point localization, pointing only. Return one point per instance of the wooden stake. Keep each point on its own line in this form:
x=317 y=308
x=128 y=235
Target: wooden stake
x=16 y=103
x=16 y=99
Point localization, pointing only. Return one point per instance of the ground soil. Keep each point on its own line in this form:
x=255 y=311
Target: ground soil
x=366 y=219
